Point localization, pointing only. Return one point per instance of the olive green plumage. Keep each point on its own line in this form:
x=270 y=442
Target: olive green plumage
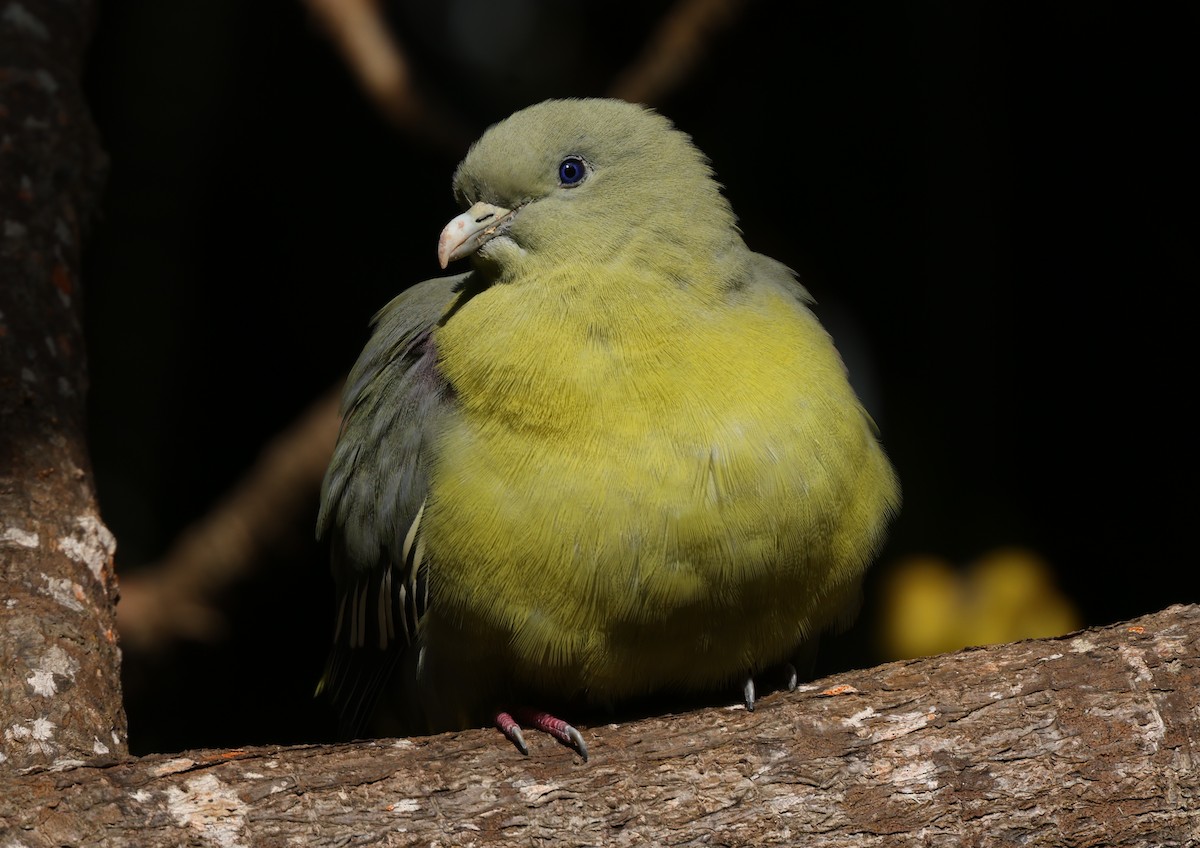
x=618 y=457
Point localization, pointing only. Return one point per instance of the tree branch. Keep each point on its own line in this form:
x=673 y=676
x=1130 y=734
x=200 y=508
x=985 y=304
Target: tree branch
x=1084 y=740
x=60 y=692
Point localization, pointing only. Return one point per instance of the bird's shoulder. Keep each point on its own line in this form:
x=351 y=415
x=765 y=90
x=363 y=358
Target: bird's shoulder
x=393 y=397
x=771 y=274
x=399 y=330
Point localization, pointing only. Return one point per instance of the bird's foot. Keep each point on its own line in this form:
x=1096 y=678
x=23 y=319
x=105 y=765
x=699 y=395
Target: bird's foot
x=544 y=722
x=787 y=672
x=790 y=678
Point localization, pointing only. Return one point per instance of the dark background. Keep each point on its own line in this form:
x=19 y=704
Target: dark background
x=994 y=206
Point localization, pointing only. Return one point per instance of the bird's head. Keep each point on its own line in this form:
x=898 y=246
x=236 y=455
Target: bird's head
x=585 y=181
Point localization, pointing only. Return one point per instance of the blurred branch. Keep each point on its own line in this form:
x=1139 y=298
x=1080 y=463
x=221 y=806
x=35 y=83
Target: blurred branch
x=675 y=49
x=174 y=599
x=358 y=29
x=361 y=34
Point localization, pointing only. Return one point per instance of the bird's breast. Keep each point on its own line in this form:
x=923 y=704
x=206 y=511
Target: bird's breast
x=609 y=472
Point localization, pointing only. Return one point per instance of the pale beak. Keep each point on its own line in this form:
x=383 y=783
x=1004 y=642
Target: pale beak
x=468 y=232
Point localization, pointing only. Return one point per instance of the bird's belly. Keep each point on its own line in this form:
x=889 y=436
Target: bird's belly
x=622 y=563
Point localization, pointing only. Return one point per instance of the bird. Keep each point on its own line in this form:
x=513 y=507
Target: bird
x=618 y=457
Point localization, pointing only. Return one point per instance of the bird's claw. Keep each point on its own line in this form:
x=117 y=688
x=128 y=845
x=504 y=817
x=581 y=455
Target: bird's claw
x=509 y=727
x=575 y=740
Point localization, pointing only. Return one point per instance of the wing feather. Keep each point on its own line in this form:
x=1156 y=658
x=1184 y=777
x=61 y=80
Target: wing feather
x=373 y=497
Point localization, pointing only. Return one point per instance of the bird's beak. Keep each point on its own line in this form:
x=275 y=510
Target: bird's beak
x=468 y=232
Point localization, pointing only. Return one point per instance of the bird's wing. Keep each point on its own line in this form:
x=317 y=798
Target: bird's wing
x=374 y=494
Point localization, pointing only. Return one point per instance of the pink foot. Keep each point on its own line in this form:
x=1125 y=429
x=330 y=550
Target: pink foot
x=544 y=722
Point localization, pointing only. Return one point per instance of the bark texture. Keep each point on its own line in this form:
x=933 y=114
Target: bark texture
x=60 y=695
x=1085 y=740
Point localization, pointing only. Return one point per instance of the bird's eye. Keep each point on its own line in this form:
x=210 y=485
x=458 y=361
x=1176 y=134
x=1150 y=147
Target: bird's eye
x=571 y=171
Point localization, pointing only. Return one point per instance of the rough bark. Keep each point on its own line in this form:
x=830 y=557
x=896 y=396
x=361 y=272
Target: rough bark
x=60 y=696
x=1084 y=740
